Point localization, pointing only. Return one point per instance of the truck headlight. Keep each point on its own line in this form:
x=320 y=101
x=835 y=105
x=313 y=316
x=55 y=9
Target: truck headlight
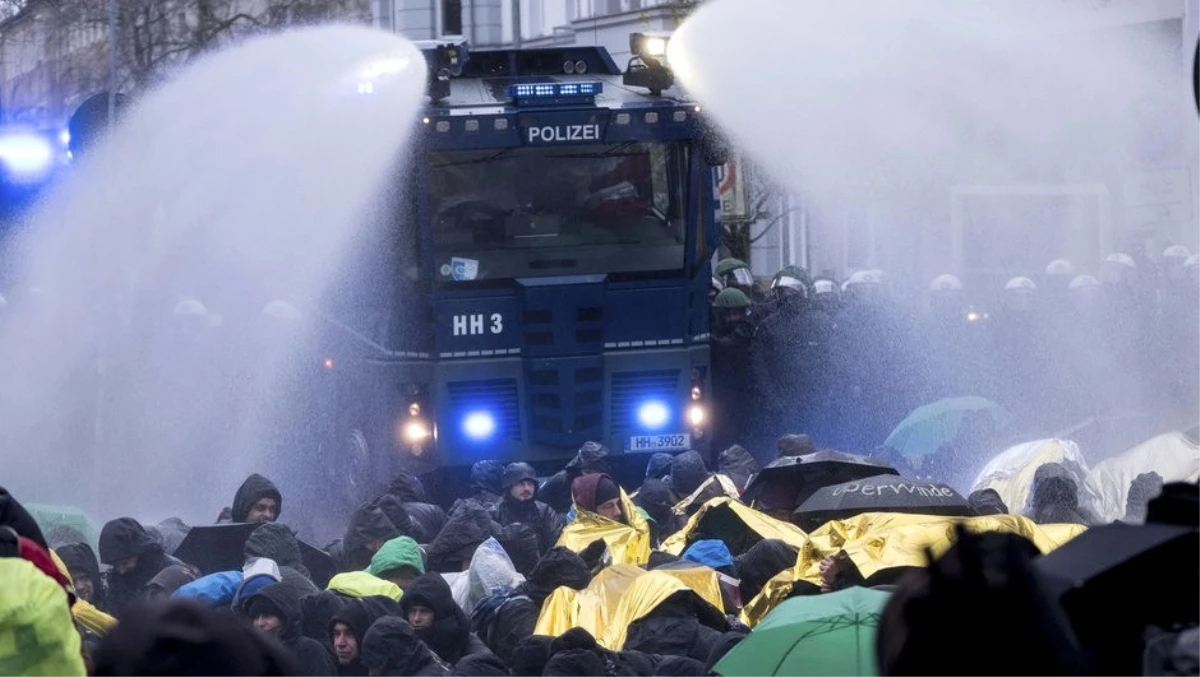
x=416 y=431
x=696 y=415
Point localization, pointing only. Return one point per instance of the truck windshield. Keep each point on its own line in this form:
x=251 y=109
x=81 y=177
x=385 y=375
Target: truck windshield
x=528 y=212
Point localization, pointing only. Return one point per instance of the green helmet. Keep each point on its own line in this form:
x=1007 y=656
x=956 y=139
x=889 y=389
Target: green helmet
x=726 y=266
x=796 y=273
x=731 y=298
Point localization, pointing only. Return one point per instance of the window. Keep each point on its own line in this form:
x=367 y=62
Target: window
x=528 y=212
x=452 y=21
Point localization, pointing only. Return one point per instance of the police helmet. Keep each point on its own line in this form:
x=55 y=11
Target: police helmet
x=190 y=308
x=1121 y=259
x=1020 y=284
x=726 y=266
x=790 y=277
x=864 y=277
x=945 y=282
x=1176 y=251
x=731 y=298
x=1084 y=282
x=824 y=286
x=1060 y=267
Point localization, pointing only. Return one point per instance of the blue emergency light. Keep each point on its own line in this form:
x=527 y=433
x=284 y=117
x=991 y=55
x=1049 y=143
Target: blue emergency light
x=555 y=93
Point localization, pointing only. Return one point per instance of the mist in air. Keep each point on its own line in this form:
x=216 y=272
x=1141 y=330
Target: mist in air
x=142 y=376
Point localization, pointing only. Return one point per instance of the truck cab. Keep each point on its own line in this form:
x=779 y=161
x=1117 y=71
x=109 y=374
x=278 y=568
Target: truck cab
x=556 y=227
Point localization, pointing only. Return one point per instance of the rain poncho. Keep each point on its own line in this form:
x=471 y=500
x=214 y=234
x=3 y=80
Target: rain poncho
x=277 y=542
x=363 y=584
x=39 y=636
x=491 y=571
x=1173 y=456
x=739 y=526
x=761 y=563
x=456 y=544
x=1011 y=472
x=627 y=543
x=738 y=465
x=659 y=614
x=214 y=590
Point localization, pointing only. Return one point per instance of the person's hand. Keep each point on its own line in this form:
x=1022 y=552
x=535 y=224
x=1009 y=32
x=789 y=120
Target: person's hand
x=828 y=568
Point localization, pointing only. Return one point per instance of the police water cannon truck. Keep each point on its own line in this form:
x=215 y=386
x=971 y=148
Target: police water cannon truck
x=550 y=283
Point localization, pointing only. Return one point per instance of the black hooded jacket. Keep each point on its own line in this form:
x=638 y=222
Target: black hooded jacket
x=762 y=562
x=125 y=537
x=655 y=498
x=682 y=625
x=392 y=647
x=739 y=465
x=1056 y=501
x=359 y=615
x=427 y=518
x=313 y=658
x=486 y=482
x=504 y=621
x=366 y=525
x=688 y=472
x=546 y=523
x=80 y=560
x=255 y=487
x=556 y=491
x=276 y=542
x=987 y=502
x=450 y=637
x=470 y=526
x=13 y=514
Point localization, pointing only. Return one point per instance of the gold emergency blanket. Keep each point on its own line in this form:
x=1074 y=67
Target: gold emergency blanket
x=618 y=596
x=716 y=483
x=878 y=541
x=628 y=544
x=762 y=525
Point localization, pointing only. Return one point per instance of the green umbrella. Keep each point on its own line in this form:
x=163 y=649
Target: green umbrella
x=928 y=427
x=62 y=524
x=830 y=634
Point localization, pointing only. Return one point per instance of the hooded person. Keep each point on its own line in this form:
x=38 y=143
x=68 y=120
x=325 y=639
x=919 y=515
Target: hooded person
x=599 y=494
x=429 y=606
x=347 y=629
x=1056 y=501
x=277 y=542
x=453 y=548
x=504 y=621
x=1142 y=490
x=135 y=558
x=659 y=466
x=84 y=569
x=795 y=445
x=398 y=561
x=257 y=500
x=762 y=562
x=275 y=611
x=739 y=465
x=166 y=582
x=987 y=502
x=427 y=519
x=655 y=499
x=519 y=505
x=590 y=459
x=393 y=647
x=480 y=665
x=682 y=625
x=368 y=530
x=693 y=485
x=13 y=514
x=487 y=482
x=183 y=637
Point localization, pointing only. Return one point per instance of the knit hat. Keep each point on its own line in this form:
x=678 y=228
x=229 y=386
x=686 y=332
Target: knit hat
x=606 y=490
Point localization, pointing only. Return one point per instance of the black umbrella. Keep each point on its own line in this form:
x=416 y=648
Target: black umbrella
x=882 y=493
x=221 y=547
x=1115 y=580
x=788 y=481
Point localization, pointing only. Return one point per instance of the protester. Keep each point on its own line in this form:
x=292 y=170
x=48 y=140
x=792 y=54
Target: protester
x=598 y=494
x=277 y=542
x=486 y=482
x=519 y=505
x=275 y=612
x=399 y=561
x=257 y=500
x=429 y=607
x=84 y=568
x=348 y=627
x=591 y=459
x=392 y=647
x=135 y=558
x=427 y=518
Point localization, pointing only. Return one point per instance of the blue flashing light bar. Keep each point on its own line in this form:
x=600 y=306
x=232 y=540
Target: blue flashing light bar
x=554 y=93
